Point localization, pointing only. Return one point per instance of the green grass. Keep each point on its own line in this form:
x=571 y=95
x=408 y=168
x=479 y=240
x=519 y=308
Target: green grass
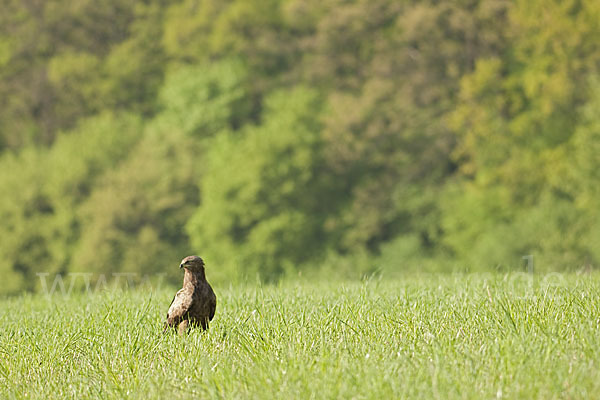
x=428 y=337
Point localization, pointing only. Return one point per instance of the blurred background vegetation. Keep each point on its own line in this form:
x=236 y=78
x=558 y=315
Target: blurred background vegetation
x=323 y=138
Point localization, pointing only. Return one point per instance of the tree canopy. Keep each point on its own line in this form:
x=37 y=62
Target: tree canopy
x=282 y=136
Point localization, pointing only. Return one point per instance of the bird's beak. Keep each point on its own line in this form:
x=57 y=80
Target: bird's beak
x=181 y=265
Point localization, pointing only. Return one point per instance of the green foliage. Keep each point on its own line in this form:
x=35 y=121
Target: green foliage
x=133 y=220
x=331 y=137
x=54 y=74
x=42 y=188
x=261 y=194
x=519 y=122
x=202 y=100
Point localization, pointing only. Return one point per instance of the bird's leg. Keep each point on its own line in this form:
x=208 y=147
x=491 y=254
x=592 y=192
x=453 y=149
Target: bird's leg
x=183 y=327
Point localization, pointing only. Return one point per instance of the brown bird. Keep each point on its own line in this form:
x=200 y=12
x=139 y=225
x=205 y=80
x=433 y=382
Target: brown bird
x=195 y=303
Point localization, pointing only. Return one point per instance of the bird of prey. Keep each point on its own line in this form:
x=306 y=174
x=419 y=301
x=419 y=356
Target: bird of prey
x=195 y=303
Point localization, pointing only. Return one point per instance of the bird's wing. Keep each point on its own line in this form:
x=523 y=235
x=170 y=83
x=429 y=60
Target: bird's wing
x=212 y=302
x=213 y=306
x=179 y=307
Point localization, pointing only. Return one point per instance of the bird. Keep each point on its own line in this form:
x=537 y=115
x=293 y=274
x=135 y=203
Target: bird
x=195 y=303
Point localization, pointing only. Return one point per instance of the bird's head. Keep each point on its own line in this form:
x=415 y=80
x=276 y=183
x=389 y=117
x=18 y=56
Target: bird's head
x=192 y=263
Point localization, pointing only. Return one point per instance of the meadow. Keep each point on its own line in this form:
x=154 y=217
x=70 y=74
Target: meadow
x=436 y=336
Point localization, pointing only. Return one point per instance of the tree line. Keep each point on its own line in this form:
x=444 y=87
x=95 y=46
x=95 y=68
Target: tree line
x=286 y=137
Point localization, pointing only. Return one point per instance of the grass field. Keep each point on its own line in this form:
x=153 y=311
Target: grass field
x=440 y=336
